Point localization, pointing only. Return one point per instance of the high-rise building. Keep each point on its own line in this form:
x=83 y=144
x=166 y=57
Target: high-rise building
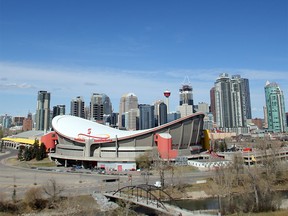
x=232 y=101
x=6 y=121
x=258 y=122
x=58 y=110
x=223 y=101
x=28 y=123
x=265 y=124
x=18 y=120
x=160 y=112
x=77 y=107
x=173 y=116
x=43 y=111
x=203 y=107
x=275 y=106
x=114 y=119
x=185 y=110
x=237 y=102
x=212 y=103
x=245 y=90
x=186 y=95
x=131 y=119
x=162 y=117
x=156 y=111
x=186 y=104
x=87 y=112
x=127 y=102
x=100 y=105
x=146 y=116
x=208 y=121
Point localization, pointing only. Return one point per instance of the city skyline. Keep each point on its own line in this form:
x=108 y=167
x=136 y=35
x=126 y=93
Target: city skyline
x=143 y=48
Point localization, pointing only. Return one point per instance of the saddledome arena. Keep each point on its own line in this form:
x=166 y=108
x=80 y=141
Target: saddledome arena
x=90 y=144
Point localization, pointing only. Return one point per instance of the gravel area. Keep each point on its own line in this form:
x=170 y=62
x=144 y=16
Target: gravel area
x=103 y=202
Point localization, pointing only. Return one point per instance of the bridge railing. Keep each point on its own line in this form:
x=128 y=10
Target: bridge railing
x=148 y=193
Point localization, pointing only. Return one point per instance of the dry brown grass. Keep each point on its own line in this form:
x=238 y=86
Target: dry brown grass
x=79 y=205
x=3 y=197
x=33 y=163
x=33 y=198
x=276 y=213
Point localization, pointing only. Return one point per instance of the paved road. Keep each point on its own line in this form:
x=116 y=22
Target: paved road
x=73 y=183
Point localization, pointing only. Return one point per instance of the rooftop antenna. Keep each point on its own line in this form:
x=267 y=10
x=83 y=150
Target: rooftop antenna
x=186 y=81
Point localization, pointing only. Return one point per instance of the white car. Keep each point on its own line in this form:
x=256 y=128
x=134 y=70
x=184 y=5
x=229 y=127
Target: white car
x=157 y=184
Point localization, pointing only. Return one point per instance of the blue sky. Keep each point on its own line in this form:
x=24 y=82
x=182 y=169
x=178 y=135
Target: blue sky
x=74 y=48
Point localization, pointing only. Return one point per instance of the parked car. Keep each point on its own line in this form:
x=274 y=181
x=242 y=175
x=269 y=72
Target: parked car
x=146 y=173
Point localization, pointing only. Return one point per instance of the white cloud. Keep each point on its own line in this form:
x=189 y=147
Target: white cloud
x=66 y=83
x=15 y=86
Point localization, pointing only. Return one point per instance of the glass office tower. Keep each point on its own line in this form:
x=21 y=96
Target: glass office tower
x=275 y=107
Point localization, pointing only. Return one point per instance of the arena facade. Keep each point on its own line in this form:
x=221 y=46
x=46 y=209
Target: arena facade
x=91 y=144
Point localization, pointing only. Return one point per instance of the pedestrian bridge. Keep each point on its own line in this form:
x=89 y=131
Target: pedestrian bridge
x=149 y=196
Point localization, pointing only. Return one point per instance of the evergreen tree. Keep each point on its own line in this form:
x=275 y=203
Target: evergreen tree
x=20 y=154
x=38 y=155
x=34 y=150
x=42 y=151
x=143 y=161
x=2 y=144
x=221 y=147
x=27 y=153
x=225 y=145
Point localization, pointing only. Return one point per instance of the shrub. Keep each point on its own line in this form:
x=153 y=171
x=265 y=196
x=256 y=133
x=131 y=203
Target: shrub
x=34 y=198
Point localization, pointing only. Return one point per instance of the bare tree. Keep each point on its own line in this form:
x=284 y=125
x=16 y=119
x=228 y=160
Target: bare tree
x=237 y=167
x=14 y=196
x=223 y=188
x=159 y=164
x=34 y=198
x=255 y=182
x=53 y=190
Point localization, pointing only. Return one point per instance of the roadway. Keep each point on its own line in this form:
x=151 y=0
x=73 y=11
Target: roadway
x=83 y=182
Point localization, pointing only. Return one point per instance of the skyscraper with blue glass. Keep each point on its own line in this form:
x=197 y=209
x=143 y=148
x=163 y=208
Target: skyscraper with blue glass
x=146 y=116
x=275 y=107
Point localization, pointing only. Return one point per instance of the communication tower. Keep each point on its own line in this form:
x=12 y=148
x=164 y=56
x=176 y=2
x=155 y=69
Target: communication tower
x=167 y=95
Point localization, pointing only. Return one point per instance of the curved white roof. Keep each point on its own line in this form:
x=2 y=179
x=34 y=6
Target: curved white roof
x=72 y=126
